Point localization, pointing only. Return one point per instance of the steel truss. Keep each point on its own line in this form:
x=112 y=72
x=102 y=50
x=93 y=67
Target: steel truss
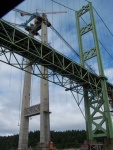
x=61 y=70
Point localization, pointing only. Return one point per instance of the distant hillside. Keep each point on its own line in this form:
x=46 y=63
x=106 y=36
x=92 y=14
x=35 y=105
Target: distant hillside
x=65 y=139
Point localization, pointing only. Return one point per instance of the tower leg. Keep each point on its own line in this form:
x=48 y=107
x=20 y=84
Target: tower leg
x=24 y=123
x=44 y=98
x=44 y=113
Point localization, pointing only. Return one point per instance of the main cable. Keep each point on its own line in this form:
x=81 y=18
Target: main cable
x=63 y=5
x=63 y=40
x=101 y=19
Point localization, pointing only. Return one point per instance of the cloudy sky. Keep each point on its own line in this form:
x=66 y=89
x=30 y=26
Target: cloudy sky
x=65 y=113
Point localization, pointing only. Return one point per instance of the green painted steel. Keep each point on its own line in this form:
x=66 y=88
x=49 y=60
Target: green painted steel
x=109 y=125
x=80 y=40
x=98 y=117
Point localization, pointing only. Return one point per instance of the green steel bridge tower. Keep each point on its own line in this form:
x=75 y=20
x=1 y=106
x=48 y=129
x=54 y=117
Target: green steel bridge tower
x=65 y=72
x=97 y=112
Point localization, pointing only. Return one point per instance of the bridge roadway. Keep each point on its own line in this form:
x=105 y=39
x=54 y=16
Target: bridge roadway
x=15 y=41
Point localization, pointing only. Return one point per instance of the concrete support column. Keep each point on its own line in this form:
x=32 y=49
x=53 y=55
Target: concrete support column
x=24 y=123
x=44 y=113
x=44 y=98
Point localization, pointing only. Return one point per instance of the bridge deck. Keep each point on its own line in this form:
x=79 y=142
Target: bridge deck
x=24 y=45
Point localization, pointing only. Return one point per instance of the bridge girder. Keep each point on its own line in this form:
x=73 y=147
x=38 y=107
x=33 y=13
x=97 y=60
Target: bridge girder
x=14 y=42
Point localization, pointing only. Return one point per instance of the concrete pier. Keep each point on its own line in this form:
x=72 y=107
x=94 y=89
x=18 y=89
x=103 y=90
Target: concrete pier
x=44 y=98
x=24 y=123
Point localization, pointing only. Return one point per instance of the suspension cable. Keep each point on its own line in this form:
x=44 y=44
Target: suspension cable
x=103 y=22
x=63 y=5
x=101 y=19
x=78 y=105
x=105 y=26
x=64 y=40
x=20 y=101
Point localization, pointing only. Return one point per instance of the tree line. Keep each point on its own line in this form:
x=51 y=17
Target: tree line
x=61 y=139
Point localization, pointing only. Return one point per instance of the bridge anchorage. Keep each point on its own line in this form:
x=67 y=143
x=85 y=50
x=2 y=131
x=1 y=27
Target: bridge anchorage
x=95 y=90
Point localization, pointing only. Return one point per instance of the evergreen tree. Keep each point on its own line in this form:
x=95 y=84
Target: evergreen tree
x=61 y=140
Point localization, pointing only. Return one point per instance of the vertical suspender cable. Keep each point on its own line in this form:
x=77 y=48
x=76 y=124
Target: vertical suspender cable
x=20 y=101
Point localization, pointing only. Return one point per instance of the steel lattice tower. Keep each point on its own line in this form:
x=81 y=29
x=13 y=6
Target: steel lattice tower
x=97 y=112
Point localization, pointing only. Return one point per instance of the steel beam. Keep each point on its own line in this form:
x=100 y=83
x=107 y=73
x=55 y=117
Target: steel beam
x=32 y=110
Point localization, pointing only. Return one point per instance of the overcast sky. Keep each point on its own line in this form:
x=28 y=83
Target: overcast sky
x=65 y=113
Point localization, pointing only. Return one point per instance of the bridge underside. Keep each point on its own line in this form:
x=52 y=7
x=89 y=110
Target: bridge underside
x=6 y=6
x=62 y=71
